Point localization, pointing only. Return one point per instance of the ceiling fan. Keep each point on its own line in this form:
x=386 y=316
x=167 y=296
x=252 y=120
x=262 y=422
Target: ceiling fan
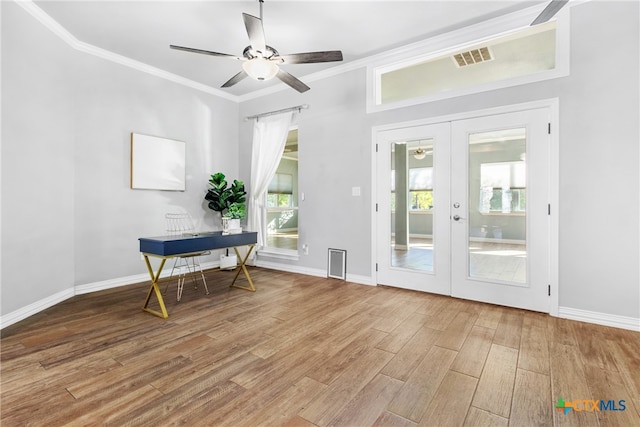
x=549 y=12
x=261 y=61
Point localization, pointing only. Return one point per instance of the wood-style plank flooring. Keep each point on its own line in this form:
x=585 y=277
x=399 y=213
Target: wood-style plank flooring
x=307 y=351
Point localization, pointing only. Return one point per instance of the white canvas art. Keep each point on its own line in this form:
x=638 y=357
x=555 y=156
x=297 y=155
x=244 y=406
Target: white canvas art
x=157 y=163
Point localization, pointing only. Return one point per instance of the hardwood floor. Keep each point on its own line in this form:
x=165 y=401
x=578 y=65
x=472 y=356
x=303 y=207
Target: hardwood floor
x=306 y=351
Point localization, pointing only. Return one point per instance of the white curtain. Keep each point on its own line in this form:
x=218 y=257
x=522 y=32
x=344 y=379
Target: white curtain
x=269 y=138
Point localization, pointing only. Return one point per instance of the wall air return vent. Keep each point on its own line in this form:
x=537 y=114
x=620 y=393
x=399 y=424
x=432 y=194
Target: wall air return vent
x=474 y=56
x=337 y=265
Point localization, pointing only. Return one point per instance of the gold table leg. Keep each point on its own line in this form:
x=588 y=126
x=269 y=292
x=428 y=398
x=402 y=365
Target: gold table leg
x=154 y=288
x=244 y=269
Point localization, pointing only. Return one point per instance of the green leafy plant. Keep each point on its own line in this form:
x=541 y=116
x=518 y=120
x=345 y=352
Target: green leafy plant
x=236 y=210
x=227 y=199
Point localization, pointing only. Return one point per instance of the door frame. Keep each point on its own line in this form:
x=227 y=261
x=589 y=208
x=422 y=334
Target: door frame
x=553 y=104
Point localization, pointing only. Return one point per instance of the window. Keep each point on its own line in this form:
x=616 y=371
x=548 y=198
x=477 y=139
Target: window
x=504 y=199
x=280 y=192
x=421 y=200
x=486 y=56
x=282 y=201
x=279 y=200
x=420 y=189
x=503 y=187
x=527 y=52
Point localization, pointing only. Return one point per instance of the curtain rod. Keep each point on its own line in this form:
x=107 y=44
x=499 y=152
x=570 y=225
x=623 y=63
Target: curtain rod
x=284 y=110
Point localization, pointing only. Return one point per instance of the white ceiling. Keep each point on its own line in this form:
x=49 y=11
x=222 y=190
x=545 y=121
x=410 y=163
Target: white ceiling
x=143 y=30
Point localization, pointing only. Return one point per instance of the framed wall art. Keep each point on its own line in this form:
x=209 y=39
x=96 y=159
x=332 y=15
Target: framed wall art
x=157 y=163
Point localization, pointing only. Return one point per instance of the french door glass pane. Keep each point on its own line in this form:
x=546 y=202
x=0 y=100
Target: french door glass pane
x=412 y=205
x=497 y=247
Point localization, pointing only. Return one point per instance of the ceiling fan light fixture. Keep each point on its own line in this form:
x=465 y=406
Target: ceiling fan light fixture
x=260 y=68
x=420 y=154
x=262 y=62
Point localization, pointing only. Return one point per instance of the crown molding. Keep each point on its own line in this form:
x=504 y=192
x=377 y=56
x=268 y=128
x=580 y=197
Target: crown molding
x=55 y=27
x=51 y=24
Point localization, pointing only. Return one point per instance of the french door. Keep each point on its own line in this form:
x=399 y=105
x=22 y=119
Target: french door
x=413 y=208
x=463 y=208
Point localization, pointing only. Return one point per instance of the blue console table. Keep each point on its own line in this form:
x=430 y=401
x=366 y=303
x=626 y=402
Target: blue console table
x=165 y=247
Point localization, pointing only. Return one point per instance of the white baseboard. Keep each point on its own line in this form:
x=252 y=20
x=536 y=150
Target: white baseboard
x=615 y=321
x=494 y=240
x=111 y=283
x=622 y=322
x=35 y=308
x=43 y=304
x=353 y=278
x=361 y=280
x=130 y=280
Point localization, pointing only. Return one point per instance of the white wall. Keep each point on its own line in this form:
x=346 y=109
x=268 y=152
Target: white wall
x=69 y=217
x=599 y=151
x=37 y=162
x=116 y=101
x=334 y=137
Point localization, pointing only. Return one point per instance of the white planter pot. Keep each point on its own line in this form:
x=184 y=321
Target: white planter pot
x=231 y=225
x=234 y=224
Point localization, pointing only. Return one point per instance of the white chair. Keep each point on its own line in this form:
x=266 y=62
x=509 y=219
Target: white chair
x=181 y=223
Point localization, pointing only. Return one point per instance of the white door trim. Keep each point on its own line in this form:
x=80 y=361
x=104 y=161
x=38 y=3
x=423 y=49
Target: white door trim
x=554 y=106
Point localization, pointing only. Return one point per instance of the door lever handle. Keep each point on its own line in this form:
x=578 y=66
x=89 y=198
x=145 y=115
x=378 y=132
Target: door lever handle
x=457 y=218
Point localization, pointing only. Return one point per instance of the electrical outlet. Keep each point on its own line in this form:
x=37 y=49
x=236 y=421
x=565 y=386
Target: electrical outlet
x=305 y=249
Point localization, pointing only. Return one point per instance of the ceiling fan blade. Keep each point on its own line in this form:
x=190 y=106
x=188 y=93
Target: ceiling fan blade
x=312 y=57
x=205 y=52
x=235 y=79
x=549 y=12
x=255 y=32
x=292 y=81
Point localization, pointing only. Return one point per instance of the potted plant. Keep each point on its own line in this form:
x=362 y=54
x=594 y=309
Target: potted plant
x=236 y=211
x=227 y=199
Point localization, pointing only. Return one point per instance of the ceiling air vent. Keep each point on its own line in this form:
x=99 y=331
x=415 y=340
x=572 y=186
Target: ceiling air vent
x=474 y=56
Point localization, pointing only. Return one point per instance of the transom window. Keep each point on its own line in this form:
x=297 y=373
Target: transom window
x=433 y=69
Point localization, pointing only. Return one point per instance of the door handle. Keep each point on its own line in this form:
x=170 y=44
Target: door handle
x=457 y=218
